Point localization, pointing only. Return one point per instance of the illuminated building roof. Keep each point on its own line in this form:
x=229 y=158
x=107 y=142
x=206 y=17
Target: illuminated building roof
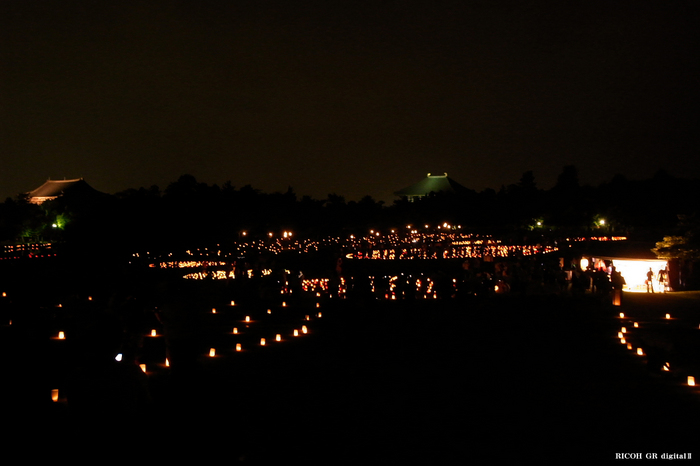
x=52 y=189
x=430 y=184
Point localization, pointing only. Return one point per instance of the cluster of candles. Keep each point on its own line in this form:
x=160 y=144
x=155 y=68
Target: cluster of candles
x=622 y=335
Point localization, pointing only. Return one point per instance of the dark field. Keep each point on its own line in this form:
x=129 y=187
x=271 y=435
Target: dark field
x=540 y=378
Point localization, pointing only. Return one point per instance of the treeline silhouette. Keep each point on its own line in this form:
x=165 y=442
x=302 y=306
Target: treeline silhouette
x=189 y=213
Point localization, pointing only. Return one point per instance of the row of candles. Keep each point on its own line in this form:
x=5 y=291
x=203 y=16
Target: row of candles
x=296 y=332
x=622 y=335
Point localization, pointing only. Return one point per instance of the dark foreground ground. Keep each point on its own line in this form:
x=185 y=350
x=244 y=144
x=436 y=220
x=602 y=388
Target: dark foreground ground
x=536 y=379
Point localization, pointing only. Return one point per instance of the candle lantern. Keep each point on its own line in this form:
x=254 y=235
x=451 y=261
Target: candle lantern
x=668 y=316
x=238 y=347
x=278 y=337
x=296 y=332
x=235 y=330
x=304 y=329
x=61 y=336
x=153 y=332
x=167 y=362
x=640 y=352
x=269 y=311
x=620 y=335
x=636 y=325
x=233 y=303
x=54 y=395
x=212 y=352
x=247 y=318
x=284 y=304
x=622 y=315
x=213 y=310
x=629 y=346
x=262 y=342
x=143 y=367
x=623 y=329
x=691 y=380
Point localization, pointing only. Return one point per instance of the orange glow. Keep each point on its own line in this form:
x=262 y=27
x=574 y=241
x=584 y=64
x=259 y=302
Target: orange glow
x=278 y=337
x=622 y=315
x=624 y=330
x=640 y=352
x=284 y=304
x=235 y=330
x=167 y=362
x=61 y=336
x=296 y=332
x=212 y=352
x=304 y=329
x=233 y=303
x=691 y=380
x=54 y=395
x=667 y=367
x=629 y=346
x=262 y=342
x=239 y=347
x=636 y=325
x=153 y=332
x=213 y=311
x=668 y=316
x=143 y=367
x=622 y=340
x=247 y=318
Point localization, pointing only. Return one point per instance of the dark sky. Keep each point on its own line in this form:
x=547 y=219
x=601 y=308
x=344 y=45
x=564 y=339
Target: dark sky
x=345 y=97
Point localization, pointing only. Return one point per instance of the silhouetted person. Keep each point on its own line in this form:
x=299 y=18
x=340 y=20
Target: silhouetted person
x=650 y=281
x=103 y=393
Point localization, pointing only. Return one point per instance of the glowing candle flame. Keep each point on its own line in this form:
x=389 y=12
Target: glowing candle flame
x=667 y=367
x=636 y=325
x=284 y=304
x=153 y=332
x=213 y=311
x=304 y=329
x=235 y=330
x=640 y=352
x=269 y=311
x=620 y=335
x=262 y=342
x=54 y=395
x=296 y=332
x=668 y=316
x=167 y=362
x=247 y=318
x=212 y=352
x=233 y=303
x=622 y=315
x=143 y=367
x=623 y=329
x=691 y=380
x=278 y=337
x=629 y=346
x=238 y=347
x=319 y=314
x=61 y=336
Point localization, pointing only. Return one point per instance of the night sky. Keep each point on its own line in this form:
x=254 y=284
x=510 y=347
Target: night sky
x=347 y=97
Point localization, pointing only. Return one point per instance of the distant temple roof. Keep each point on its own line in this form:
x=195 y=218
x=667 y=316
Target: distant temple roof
x=431 y=183
x=52 y=189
